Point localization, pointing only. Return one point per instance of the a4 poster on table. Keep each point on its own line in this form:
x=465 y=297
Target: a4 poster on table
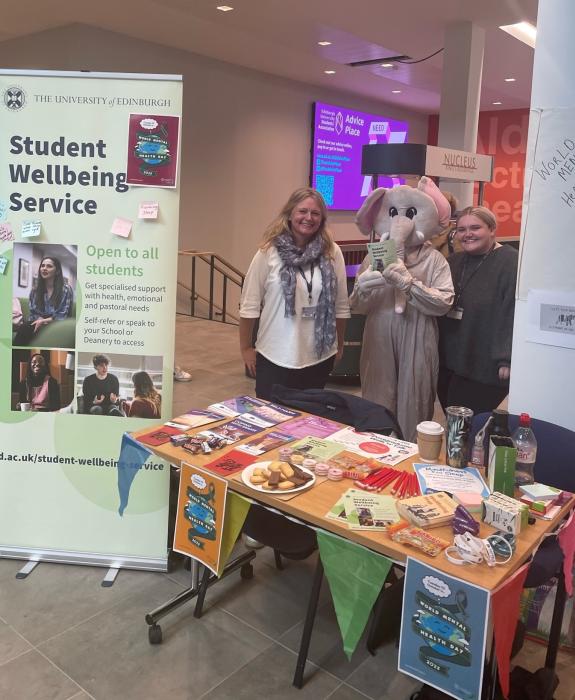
x=88 y=252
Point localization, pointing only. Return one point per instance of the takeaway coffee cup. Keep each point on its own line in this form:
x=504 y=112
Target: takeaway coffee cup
x=429 y=438
x=25 y=406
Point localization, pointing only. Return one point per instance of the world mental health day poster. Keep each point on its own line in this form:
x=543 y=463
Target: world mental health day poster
x=88 y=260
x=443 y=631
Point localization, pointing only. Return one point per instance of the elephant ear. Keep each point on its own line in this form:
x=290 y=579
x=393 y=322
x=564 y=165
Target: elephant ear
x=367 y=215
x=427 y=186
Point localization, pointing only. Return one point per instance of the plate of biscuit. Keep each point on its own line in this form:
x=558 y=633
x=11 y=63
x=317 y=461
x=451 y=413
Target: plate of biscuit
x=277 y=476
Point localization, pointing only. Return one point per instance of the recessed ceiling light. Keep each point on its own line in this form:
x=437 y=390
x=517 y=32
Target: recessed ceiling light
x=396 y=92
x=510 y=80
x=524 y=31
x=387 y=65
x=224 y=8
x=329 y=72
x=324 y=43
x=497 y=103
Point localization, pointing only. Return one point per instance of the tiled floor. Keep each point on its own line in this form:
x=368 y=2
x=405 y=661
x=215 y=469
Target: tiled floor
x=63 y=636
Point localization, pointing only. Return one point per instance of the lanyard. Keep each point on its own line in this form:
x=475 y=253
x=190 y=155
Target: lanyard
x=461 y=285
x=308 y=283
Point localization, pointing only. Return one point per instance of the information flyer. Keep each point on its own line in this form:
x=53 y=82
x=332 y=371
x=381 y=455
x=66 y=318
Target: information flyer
x=200 y=515
x=89 y=286
x=443 y=631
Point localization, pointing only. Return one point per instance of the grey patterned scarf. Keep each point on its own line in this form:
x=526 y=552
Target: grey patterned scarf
x=293 y=258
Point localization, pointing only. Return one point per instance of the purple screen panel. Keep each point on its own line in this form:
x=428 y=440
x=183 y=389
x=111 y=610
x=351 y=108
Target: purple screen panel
x=338 y=136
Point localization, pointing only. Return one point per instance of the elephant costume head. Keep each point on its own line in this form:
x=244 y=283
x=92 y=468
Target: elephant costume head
x=408 y=215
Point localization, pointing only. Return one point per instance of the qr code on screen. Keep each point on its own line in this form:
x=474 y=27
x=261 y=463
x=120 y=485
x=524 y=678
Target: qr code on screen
x=324 y=185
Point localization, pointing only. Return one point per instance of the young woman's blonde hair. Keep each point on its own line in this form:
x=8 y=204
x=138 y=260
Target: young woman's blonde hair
x=282 y=222
x=483 y=213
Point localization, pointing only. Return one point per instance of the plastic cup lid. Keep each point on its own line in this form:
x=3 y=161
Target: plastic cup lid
x=430 y=427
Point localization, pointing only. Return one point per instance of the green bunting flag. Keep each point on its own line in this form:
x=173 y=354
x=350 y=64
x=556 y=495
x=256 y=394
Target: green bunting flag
x=355 y=576
x=236 y=512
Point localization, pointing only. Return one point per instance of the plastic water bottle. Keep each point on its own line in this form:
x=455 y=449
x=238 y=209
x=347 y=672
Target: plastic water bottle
x=526 y=445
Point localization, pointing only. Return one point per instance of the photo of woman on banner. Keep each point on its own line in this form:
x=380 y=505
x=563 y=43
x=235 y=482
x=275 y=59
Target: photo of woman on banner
x=147 y=401
x=50 y=297
x=101 y=390
x=38 y=391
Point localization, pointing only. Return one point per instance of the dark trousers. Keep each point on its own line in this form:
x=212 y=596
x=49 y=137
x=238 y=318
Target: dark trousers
x=454 y=390
x=268 y=374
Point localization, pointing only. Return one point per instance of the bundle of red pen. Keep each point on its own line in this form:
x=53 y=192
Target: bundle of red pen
x=404 y=484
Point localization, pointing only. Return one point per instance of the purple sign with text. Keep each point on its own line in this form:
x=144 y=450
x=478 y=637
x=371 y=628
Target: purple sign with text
x=338 y=135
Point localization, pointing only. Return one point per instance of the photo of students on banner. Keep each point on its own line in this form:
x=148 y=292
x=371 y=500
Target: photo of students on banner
x=43 y=295
x=41 y=380
x=119 y=385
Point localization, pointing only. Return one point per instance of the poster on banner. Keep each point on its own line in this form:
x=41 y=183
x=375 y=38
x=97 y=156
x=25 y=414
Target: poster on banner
x=200 y=515
x=443 y=631
x=153 y=150
x=90 y=355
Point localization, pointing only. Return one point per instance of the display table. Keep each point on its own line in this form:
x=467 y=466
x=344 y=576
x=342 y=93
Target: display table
x=310 y=507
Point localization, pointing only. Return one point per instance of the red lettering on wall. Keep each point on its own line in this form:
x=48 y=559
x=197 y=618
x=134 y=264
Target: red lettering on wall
x=503 y=135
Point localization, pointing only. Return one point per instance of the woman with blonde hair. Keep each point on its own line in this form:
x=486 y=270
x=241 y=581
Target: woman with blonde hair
x=296 y=286
x=147 y=402
x=475 y=336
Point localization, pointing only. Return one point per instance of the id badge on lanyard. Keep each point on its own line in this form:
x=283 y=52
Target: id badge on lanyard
x=455 y=313
x=309 y=311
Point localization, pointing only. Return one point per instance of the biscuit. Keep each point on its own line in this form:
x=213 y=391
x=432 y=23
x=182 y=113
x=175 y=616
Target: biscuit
x=257 y=479
x=285 y=485
x=286 y=470
x=296 y=459
x=266 y=473
x=275 y=466
x=267 y=486
x=257 y=471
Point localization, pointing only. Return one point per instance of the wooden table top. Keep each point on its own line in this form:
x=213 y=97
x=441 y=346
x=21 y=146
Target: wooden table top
x=312 y=505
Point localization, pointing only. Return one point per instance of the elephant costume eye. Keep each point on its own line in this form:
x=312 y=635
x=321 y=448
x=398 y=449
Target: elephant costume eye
x=393 y=211
x=411 y=212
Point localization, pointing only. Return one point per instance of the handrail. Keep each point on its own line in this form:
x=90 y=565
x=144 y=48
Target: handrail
x=229 y=274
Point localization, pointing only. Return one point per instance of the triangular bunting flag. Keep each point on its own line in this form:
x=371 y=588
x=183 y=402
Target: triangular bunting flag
x=132 y=458
x=355 y=576
x=505 y=612
x=236 y=512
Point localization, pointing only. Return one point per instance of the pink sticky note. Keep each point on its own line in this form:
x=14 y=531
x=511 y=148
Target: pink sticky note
x=148 y=210
x=121 y=227
x=6 y=233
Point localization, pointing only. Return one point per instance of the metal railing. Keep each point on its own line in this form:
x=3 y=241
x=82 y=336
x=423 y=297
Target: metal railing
x=219 y=270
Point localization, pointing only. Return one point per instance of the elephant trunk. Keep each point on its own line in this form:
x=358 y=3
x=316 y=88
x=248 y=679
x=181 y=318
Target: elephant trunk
x=401 y=229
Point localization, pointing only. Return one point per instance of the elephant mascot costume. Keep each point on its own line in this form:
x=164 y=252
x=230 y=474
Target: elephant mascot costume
x=399 y=358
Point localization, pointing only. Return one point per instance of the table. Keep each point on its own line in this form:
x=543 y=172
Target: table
x=310 y=507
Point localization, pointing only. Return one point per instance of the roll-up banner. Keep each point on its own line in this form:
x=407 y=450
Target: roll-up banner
x=88 y=252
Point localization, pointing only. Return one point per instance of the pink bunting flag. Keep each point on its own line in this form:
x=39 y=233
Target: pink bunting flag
x=567 y=543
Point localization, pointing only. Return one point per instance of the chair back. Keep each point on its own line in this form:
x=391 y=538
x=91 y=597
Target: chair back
x=555 y=464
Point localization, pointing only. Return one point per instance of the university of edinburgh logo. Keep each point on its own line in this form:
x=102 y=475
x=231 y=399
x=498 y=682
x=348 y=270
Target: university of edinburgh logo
x=14 y=98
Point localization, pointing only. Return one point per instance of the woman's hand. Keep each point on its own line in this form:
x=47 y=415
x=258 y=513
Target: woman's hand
x=504 y=373
x=249 y=357
x=339 y=353
x=39 y=322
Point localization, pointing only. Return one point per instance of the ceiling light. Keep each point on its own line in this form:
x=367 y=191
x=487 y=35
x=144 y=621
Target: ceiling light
x=524 y=31
x=387 y=65
x=509 y=80
x=329 y=72
x=396 y=92
x=324 y=43
x=497 y=103
x=224 y=8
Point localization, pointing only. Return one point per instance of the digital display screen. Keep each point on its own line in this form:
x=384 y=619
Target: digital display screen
x=338 y=136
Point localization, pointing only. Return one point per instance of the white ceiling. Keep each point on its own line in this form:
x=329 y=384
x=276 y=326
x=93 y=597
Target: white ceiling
x=280 y=37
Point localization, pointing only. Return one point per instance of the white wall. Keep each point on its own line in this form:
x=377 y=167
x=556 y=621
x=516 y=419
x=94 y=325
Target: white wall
x=246 y=135
x=543 y=376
